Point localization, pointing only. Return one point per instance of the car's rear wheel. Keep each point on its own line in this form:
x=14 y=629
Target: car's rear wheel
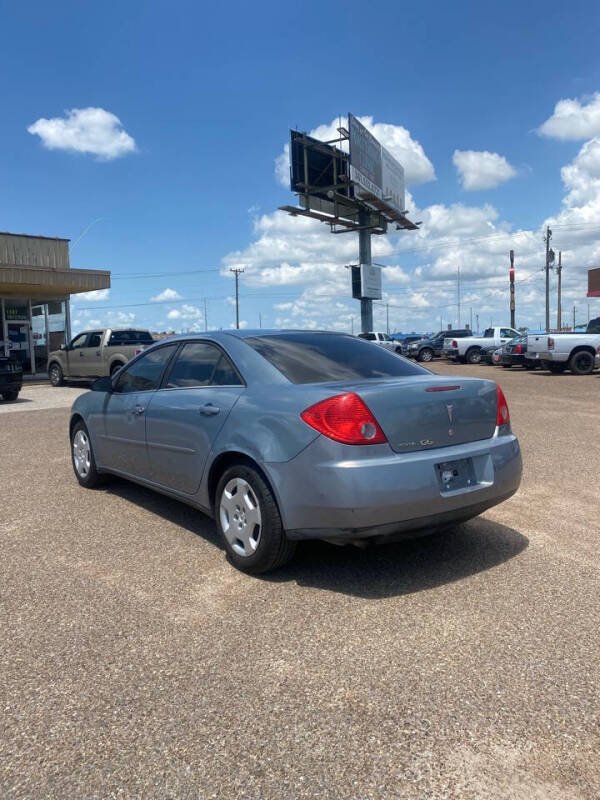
x=115 y=368
x=82 y=457
x=10 y=396
x=530 y=364
x=473 y=355
x=426 y=354
x=506 y=366
x=249 y=521
x=581 y=363
x=55 y=374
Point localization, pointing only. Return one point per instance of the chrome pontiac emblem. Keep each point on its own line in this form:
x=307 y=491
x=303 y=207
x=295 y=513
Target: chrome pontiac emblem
x=450 y=410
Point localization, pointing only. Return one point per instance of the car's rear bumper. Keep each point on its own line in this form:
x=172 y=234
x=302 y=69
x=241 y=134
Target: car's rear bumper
x=513 y=359
x=340 y=492
x=451 y=353
x=551 y=355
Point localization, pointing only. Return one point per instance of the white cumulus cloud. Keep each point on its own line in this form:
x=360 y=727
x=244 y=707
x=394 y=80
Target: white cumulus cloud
x=480 y=169
x=97 y=295
x=186 y=312
x=166 y=295
x=397 y=139
x=85 y=130
x=573 y=119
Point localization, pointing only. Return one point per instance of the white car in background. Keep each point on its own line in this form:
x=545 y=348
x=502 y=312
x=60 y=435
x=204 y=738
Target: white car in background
x=382 y=339
x=469 y=350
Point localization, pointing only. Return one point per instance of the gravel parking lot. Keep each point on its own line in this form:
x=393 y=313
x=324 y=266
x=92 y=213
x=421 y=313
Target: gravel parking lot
x=135 y=662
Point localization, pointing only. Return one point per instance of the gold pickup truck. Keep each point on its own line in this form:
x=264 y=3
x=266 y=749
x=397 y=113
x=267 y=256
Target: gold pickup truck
x=94 y=354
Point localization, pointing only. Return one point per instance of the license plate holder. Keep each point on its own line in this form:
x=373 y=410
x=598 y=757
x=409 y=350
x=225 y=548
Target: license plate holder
x=456 y=475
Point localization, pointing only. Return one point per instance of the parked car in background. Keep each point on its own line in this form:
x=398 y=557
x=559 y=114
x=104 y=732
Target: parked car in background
x=407 y=340
x=514 y=354
x=382 y=339
x=11 y=377
x=288 y=435
x=430 y=347
x=557 y=352
x=487 y=353
x=469 y=350
x=93 y=354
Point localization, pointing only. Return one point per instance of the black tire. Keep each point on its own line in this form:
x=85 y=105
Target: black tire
x=581 y=363
x=555 y=367
x=530 y=364
x=274 y=549
x=506 y=366
x=473 y=355
x=55 y=374
x=426 y=354
x=115 y=368
x=92 y=478
x=10 y=396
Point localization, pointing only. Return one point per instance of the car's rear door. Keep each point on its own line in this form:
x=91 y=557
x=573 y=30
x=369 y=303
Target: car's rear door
x=186 y=414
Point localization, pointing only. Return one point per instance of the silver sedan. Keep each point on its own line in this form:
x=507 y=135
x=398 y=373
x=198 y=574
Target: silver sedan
x=289 y=435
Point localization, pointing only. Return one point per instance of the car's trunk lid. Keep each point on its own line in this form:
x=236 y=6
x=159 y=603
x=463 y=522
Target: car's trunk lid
x=420 y=413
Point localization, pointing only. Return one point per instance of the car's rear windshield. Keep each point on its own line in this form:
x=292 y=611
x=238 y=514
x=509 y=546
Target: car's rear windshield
x=124 y=337
x=321 y=357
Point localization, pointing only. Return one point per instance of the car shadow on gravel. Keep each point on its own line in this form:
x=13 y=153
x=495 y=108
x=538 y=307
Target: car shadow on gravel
x=376 y=571
x=404 y=567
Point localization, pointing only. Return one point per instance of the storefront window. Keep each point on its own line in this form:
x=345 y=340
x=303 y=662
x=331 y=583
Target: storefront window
x=43 y=331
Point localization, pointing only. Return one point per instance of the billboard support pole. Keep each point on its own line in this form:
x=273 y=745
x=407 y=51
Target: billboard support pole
x=364 y=252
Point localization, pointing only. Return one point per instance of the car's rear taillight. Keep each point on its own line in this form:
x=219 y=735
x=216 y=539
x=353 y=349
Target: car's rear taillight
x=518 y=348
x=550 y=343
x=455 y=343
x=344 y=418
x=502 y=413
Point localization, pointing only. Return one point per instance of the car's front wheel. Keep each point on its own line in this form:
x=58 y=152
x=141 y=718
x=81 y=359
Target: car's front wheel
x=426 y=354
x=10 y=396
x=55 y=374
x=249 y=521
x=82 y=457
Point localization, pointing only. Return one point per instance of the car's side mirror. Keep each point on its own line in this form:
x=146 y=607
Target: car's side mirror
x=103 y=384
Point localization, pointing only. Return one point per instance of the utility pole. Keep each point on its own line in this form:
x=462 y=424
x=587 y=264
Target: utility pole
x=559 y=309
x=205 y=316
x=512 y=288
x=387 y=318
x=364 y=257
x=237 y=272
x=352 y=325
x=477 y=321
x=549 y=260
x=471 y=326
x=259 y=320
x=573 y=316
x=458 y=293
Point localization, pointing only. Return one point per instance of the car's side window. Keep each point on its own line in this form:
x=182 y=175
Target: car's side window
x=78 y=341
x=94 y=340
x=202 y=364
x=508 y=332
x=146 y=372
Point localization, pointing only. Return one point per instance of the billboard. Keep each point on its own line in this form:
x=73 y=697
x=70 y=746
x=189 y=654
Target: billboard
x=376 y=174
x=594 y=282
x=370 y=281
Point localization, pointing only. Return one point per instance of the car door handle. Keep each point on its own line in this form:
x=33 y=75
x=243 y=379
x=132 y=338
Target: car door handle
x=209 y=409
x=139 y=410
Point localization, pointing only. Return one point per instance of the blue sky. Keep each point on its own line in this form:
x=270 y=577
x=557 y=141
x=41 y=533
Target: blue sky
x=184 y=185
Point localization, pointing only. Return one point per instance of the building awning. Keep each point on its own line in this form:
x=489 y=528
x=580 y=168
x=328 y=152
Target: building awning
x=41 y=282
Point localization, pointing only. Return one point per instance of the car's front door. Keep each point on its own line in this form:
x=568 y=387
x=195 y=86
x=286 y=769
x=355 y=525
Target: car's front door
x=185 y=416
x=123 y=440
x=89 y=358
x=72 y=356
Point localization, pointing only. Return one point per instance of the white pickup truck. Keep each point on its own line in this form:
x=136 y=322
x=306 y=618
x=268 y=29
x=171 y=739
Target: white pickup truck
x=579 y=352
x=469 y=349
